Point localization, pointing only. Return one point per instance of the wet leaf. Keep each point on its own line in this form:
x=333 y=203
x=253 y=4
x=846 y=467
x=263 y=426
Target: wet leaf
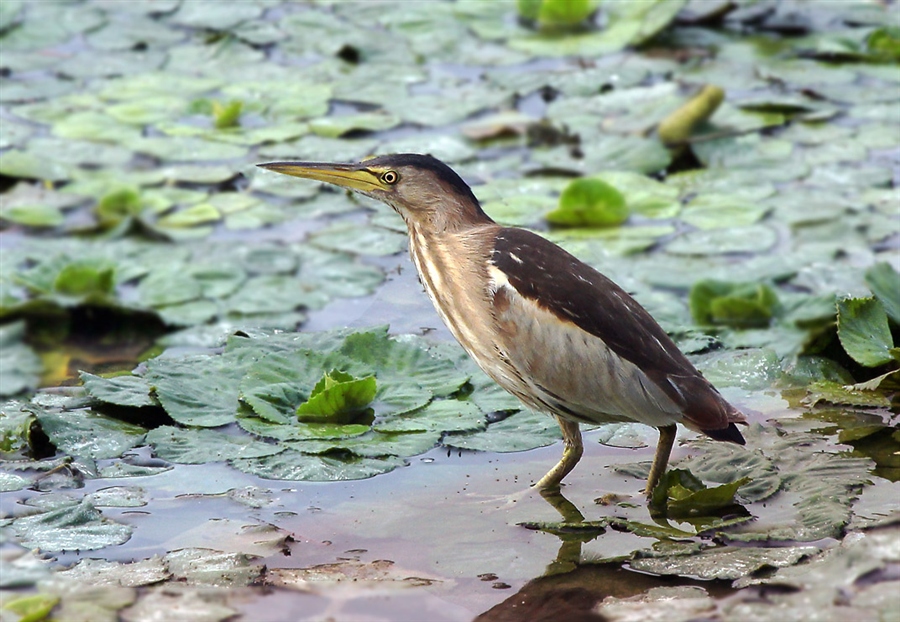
x=89 y=435
x=680 y=494
x=741 y=305
x=10 y=482
x=723 y=563
x=364 y=239
x=195 y=604
x=20 y=367
x=337 y=398
x=884 y=282
x=864 y=332
x=558 y=13
x=589 y=203
x=32 y=608
x=199 y=446
x=197 y=390
x=845 y=394
x=120 y=390
x=30 y=207
x=295 y=465
x=518 y=432
x=197 y=566
x=71 y=526
x=380 y=574
x=335 y=126
x=88 y=603
x=751 y=239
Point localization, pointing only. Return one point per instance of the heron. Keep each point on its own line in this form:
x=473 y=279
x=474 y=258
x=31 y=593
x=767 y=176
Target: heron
x=550 y=329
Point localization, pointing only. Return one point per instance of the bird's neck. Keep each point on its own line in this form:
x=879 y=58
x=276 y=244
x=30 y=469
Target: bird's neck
x=451 y=266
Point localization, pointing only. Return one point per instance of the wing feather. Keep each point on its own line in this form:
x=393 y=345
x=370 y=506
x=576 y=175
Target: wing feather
x=576 y=294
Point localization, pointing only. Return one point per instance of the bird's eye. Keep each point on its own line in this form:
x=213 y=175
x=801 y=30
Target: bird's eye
x=390 y=177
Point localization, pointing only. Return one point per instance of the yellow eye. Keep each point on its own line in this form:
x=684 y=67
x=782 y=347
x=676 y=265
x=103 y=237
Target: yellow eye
x=390 y=177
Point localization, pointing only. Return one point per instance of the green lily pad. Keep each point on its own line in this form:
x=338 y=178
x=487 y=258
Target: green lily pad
x=89 y=435
x=629 y=24
x=750 y=239
x=197 y=390
x=207 y=14
x=589 y=203
x=333 y=127
x=363 y=239
x=337 y=398
x=200 y=446
x=712 y=211
x=518 y=432
x=26 y=165
x=295 y=465
x=120 y=390
x=741 y=305
x=680 y=494
x=32 y=608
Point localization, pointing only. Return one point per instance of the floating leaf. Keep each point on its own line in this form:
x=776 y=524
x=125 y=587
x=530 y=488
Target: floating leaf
x=70 y=525
x=742 y=305
x=89 y=435
x=197 y=390
x=518 y=432
x=20 y=367
x=864 y=332
x=560 y=13
x=32 y=608
x=589 y=203
x=884 y=282
x=295 y=465
x=227 y=115
x=199 y=446
x=120 y=390
x=337 y=398
x=680 y=494
x=103 y=572
x=723 y=563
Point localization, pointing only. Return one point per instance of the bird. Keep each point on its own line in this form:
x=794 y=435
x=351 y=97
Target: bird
x=545 y=326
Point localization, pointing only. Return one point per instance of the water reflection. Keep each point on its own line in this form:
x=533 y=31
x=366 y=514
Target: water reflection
x=571 y=588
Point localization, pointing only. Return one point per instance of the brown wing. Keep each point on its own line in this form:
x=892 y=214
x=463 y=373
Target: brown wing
x=575 y=292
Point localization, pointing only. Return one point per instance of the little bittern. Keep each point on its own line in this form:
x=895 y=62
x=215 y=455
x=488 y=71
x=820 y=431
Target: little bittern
x=545 y=326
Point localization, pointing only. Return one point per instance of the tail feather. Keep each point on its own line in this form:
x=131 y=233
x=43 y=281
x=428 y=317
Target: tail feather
x=730 y=434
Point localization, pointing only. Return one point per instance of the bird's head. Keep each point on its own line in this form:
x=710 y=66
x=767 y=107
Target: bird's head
x=423 y=190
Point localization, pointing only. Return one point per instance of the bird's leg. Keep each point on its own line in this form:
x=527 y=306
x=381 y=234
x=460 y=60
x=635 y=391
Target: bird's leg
x=661 y=460
x=573 y=448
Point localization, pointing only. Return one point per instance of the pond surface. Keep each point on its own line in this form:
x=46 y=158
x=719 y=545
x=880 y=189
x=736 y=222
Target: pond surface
x=167 y=309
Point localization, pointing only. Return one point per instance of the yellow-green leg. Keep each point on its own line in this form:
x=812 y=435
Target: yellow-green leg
x=572 y=451
x=663 y=451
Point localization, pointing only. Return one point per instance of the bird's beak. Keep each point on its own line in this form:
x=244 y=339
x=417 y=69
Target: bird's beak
x=352 y=176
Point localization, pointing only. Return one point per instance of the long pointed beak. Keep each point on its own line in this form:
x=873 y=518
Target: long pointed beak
x=353 y=176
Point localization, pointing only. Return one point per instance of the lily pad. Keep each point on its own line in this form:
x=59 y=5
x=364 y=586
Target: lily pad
x=120 y=390
x=20 y=367
x=589 y=203
x=71 y=525
x=337 y=398
x=89 y=435
x=724 y=563
x=200 y=446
